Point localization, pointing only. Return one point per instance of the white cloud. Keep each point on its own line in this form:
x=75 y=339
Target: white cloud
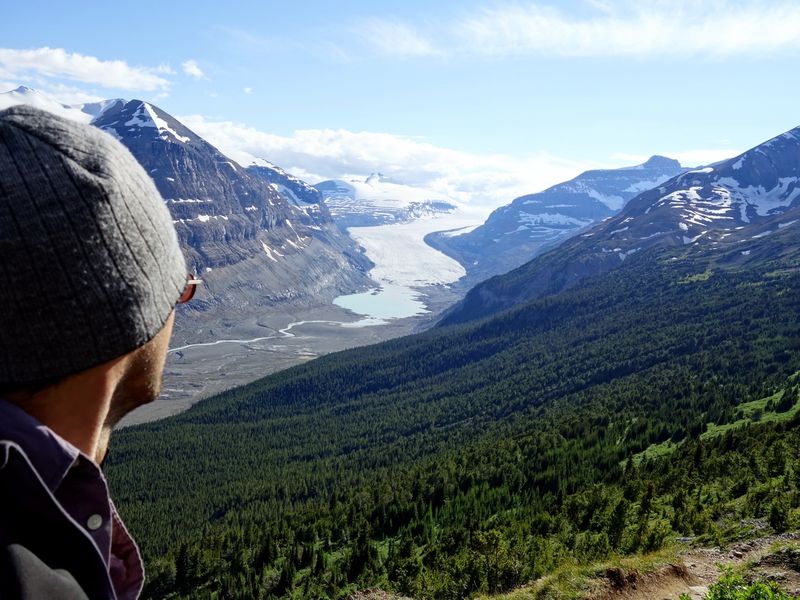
x=317 y=154
x=623 y=28
x=164 y=69
x=395 y=38
x=191 y=68
x=58 y=63
x=67 y=94
x=247 y=90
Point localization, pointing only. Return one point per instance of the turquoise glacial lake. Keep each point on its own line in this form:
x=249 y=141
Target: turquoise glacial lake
x=385 y=302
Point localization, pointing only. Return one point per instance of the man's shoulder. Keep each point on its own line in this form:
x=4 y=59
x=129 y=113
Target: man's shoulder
x=24 y=576
x=43 y=554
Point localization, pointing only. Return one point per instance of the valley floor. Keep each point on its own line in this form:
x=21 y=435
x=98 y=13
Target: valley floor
x=258 y=347
x=254 y=348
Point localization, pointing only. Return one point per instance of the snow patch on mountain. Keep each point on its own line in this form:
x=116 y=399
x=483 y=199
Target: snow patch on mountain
x=546 y=218
x=764 y=201
x=286 y=180
x=611 y=201
x=698 y=208
x=647 y=184
x=288 y=193
x=96 y=109
x=145 y=116
x=270 y=252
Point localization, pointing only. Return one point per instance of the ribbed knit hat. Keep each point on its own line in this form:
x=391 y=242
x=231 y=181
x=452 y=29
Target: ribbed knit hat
x=90 y=266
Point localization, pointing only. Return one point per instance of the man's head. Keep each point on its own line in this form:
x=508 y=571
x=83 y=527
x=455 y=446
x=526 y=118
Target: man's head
x=90 y=266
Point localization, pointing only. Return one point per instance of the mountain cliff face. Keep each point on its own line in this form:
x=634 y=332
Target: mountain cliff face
x=723 y=207
x=252 y=234
x=293 y=189
x=515 y=233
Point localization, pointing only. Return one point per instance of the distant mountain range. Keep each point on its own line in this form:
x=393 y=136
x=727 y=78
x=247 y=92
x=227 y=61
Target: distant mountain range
x=380 y=200
x=723 y=208
x=515 y=233
x=261 y=237
x=257 y=236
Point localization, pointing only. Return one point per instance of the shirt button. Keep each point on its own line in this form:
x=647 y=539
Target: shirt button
x=94 y=522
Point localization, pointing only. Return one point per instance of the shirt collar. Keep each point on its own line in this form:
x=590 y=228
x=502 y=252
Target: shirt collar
x=53 y=458
x=50 y=454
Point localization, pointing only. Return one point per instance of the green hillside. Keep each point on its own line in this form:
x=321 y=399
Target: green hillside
x=471 y=459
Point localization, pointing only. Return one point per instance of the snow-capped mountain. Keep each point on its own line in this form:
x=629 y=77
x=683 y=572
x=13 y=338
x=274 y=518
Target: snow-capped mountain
x=379 y=200
x=726 y=210
x=254 y=246
x=251 y=236
x=138 y=120
x=515 y=233
x=747 y=197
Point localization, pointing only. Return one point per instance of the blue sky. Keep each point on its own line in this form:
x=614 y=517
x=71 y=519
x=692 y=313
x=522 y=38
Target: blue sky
x=482 y=100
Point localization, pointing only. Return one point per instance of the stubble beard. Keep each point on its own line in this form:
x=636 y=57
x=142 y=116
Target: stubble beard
x=141 y=381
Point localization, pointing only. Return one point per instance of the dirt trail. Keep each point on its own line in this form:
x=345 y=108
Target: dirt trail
x=692 y=573
x=375 y=594
x=700 y=568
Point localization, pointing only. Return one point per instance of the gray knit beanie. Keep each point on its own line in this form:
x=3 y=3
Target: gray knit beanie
x=90 y=266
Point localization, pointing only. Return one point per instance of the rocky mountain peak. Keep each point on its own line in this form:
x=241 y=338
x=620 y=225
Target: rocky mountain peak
x=137 y=118
x=661 y=162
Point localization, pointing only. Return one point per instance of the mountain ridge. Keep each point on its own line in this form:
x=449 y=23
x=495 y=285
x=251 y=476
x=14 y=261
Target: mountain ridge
x=530 y=224
x=714 y=206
